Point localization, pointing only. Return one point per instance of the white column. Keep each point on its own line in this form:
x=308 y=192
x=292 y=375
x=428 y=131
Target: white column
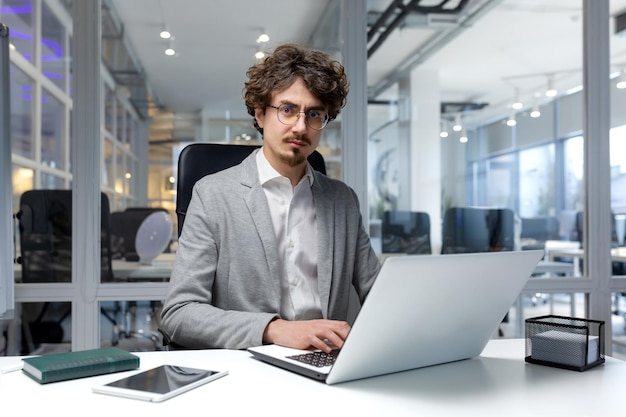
x=597 y=229
x=354 y=115
x=85 y=156
x=425 y=150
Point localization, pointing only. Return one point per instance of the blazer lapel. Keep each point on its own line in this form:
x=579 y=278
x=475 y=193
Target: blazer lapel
x=259 y=211
x=325 y=213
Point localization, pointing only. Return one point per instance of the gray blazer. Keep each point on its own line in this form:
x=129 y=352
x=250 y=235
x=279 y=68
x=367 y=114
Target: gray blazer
x=225 y=285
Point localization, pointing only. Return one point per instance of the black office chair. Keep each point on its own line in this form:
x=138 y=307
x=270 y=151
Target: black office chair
x=199 y=159
x=406 y=232
x=580 y=226
x=537 y=230
x=45 y=228
x=477 y=229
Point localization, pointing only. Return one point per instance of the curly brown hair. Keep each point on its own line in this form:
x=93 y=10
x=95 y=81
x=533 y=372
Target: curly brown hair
x=324 y=77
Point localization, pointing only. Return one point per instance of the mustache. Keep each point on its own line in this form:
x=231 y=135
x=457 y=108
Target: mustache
x=298 y=138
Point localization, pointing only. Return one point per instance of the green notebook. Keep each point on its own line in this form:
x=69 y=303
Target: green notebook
x=79 y=364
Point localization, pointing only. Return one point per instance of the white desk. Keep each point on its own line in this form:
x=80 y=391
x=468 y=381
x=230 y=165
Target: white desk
x=126 y=271
x=160 y=269
x=499 y=383
x=617 y=255
x=554 y=267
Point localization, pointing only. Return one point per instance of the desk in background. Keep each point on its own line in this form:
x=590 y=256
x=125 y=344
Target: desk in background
x=498 y=383
x=160 y=270
x=617 y=255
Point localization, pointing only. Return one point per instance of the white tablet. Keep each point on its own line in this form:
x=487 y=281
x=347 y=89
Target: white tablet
x=160 y=383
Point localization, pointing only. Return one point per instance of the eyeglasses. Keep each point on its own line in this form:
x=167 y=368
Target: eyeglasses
x=288 y=114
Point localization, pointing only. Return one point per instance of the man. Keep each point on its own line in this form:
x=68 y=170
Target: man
x=270 y=248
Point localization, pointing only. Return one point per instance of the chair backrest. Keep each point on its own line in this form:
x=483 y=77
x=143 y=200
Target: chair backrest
x=124 y=226
x=477 y=229
x=537 y=230
x=45 y=225
x=406 y=232
x=199 y=159
x=579 y=236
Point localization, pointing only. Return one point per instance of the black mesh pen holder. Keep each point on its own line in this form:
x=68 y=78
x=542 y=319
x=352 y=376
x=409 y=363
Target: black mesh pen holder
x=565 y=342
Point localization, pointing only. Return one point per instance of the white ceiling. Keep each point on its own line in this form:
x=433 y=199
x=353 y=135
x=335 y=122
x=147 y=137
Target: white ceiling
x=500 y=45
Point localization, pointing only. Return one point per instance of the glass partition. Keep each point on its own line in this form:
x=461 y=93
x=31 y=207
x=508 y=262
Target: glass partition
x=43 y=327
x=19 y=16
x=22 y=108
x=53 y=132
x=530 y=305
x=55 y=48
x=131 y=325
x=41 y=115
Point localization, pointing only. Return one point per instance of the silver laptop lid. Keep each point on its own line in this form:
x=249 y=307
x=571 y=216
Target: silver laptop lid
x=430 y=309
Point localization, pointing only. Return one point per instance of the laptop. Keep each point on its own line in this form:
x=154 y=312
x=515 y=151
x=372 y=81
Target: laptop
x=422 y=310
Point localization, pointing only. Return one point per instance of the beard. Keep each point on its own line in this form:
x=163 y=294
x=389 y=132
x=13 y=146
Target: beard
x=294 y=156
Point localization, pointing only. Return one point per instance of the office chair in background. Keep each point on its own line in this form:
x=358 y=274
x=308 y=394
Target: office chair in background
x=45 y=229
x=200 y=159
x=537 y=230
x=45 y=226
x=406 y=232
x=477 y=229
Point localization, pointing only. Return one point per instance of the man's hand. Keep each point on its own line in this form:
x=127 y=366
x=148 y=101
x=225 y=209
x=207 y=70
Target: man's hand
x=320 y=334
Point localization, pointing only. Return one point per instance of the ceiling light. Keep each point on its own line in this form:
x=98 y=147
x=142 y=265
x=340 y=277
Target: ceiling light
x=165 y=34
x=457 y=123
x=170 y=51
x=511 y=120
x=551 y=91
x=463 y=138
x=259 y=55
x=443 y=131
x=517 y=104
x=534 y=113
x=263 y=38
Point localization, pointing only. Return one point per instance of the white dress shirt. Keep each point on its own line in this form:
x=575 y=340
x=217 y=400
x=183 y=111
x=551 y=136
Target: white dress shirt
x=295 y=225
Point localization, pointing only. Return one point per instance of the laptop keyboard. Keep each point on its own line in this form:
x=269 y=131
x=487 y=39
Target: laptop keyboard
x=317 y=359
